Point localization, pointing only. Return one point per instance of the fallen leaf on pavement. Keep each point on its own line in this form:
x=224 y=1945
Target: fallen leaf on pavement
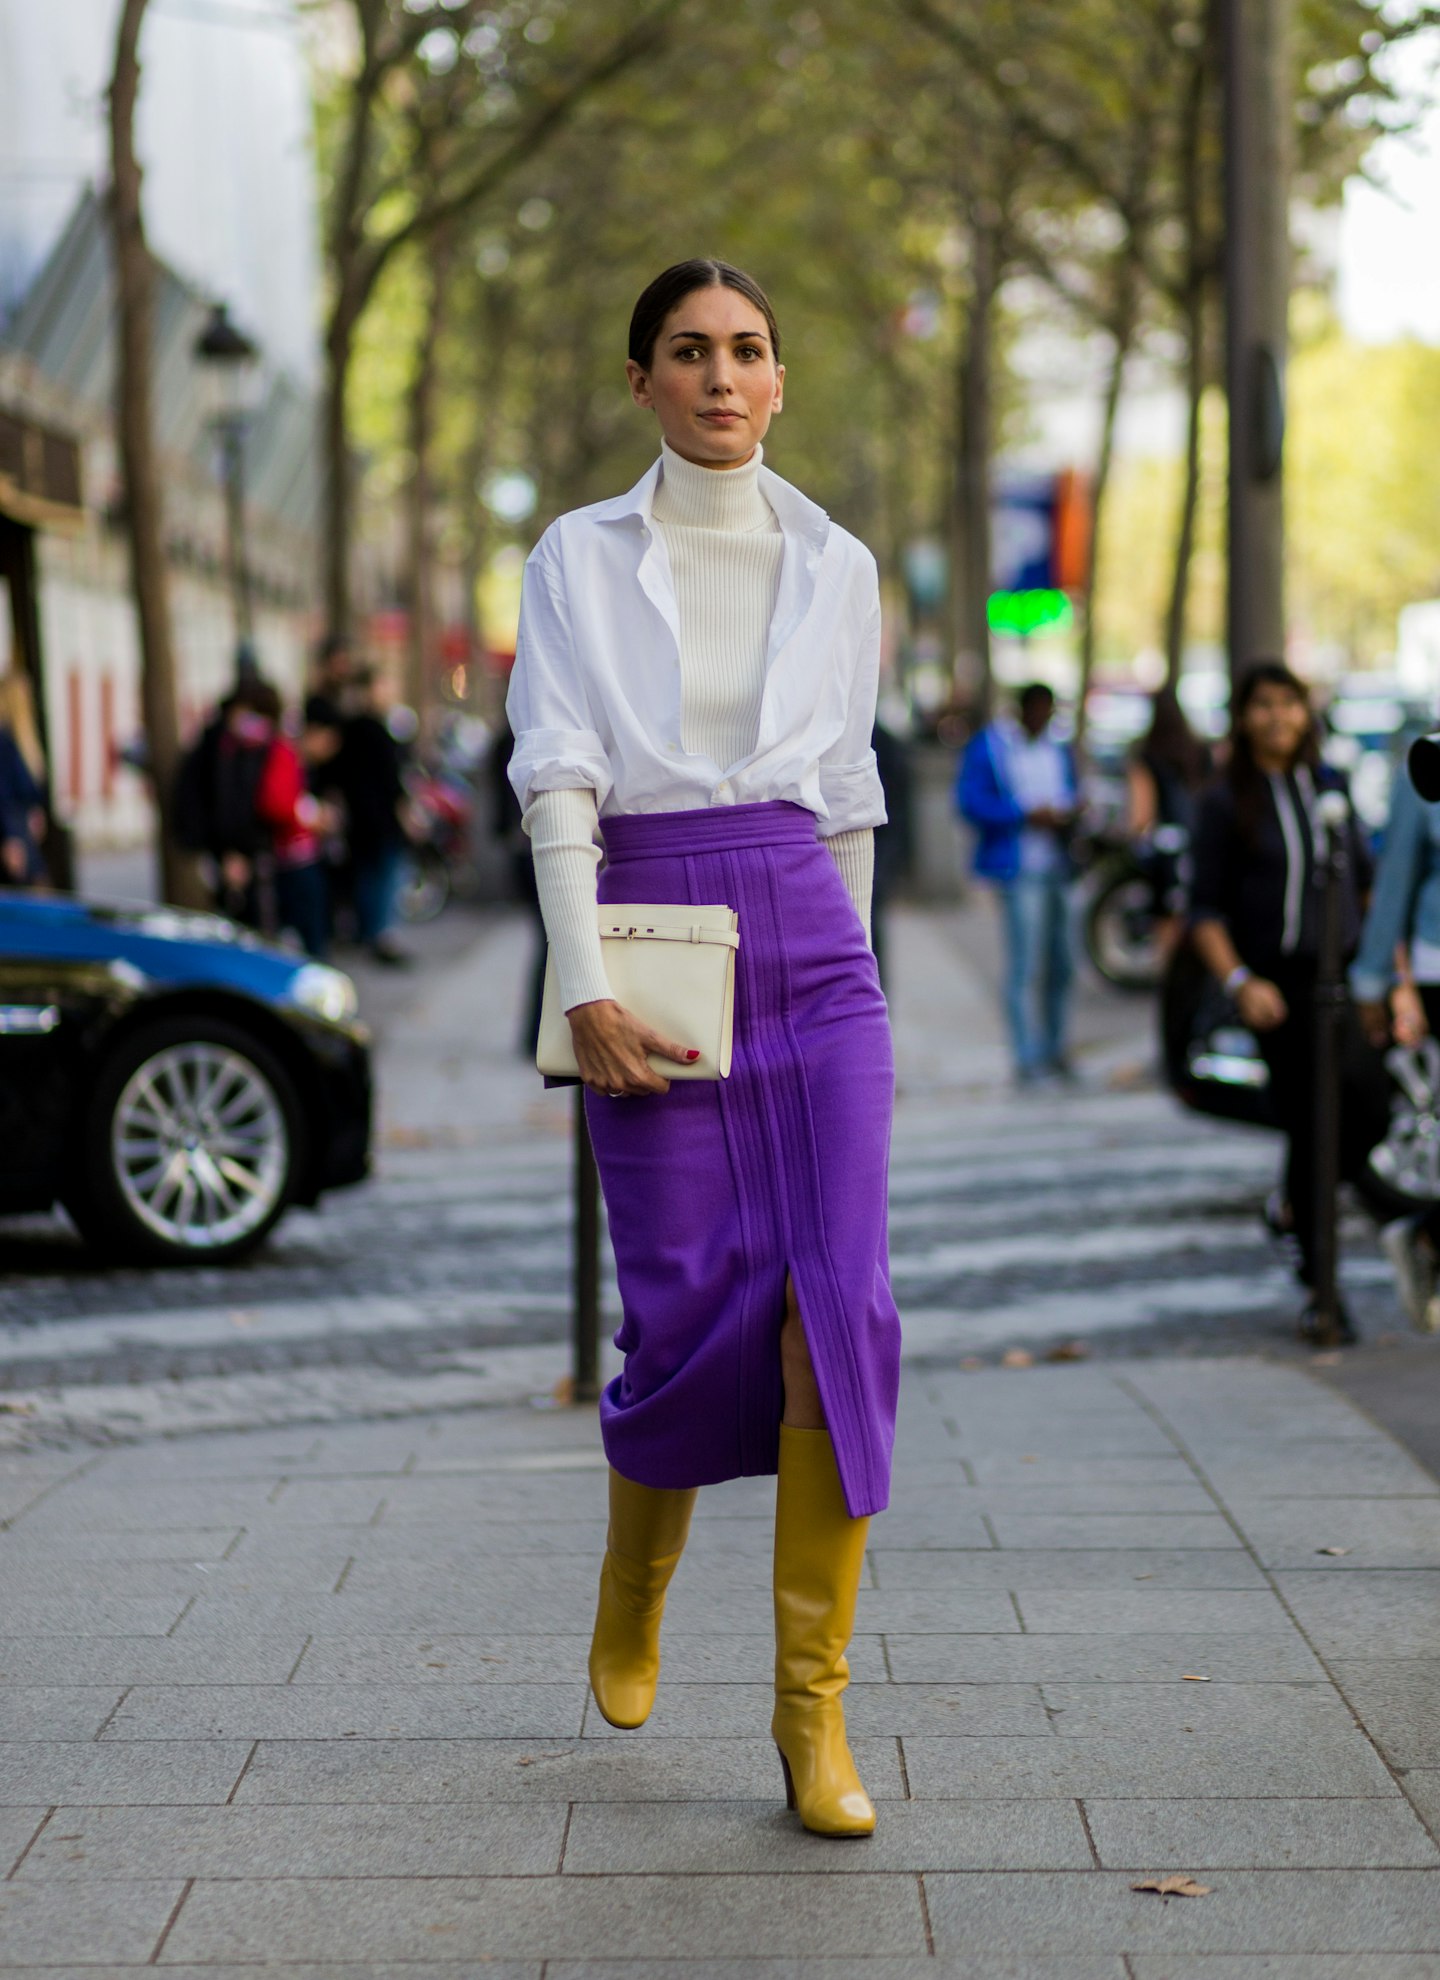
x=1069 y=1351
x=1030 y=1459
x=1017 y=1358
x=1192 y=1677
x=1332 y=1550
x=1329 y=1360
x=1179 y=1886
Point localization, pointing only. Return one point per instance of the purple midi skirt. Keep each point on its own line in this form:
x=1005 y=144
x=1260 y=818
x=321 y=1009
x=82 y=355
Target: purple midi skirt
x=717 y=1189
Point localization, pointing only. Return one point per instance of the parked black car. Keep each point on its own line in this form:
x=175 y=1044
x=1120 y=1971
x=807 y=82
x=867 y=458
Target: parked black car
x=171 y=1079
x=1213 y=1064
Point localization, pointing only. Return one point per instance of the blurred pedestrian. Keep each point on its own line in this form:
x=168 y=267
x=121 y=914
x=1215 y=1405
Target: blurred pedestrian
x=1255 y=923
x=22 y=787
x=747 y=1215
x=217 y=811
x=367 y=773
x=1166 y=771
x=1019 y=789
x=296 y=822
x=1395 y=979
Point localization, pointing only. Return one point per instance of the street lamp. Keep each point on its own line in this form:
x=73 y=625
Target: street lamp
x=231 y=365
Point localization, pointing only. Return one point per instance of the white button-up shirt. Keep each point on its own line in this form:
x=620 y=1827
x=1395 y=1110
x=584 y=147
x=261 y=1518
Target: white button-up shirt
x=594 y=698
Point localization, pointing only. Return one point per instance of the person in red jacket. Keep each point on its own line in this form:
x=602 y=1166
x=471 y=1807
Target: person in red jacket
x=297 y=823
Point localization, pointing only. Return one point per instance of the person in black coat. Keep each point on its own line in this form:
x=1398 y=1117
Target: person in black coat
x=367 y=773
x=1255 y=923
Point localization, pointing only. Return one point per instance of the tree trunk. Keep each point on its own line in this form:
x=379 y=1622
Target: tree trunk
x=144 y=518
x=335 y=459
x=1190 y=497
x=421 y=424
x=1123 y=332
x=972 y=467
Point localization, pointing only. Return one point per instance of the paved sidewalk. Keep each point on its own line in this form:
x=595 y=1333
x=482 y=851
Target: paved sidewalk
x=310 y=1700
x=315 y=1701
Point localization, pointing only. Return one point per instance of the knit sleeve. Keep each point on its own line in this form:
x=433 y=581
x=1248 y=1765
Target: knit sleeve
x=854 y=853
x=561 y=825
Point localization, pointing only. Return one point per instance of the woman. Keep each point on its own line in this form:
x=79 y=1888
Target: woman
x=1399 y=961
x=22 y=787
x=1255 y=922
x=698 y=662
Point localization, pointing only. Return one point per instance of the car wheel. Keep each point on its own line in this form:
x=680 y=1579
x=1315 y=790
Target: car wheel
x=191 y=1145
x=1121 y=932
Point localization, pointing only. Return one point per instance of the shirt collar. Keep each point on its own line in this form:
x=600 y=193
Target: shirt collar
x=797 y=514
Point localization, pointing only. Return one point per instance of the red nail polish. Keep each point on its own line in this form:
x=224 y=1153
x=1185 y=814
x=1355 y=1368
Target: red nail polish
x=692 y=1056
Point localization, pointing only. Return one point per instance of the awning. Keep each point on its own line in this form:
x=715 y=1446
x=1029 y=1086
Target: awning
x=39 y=474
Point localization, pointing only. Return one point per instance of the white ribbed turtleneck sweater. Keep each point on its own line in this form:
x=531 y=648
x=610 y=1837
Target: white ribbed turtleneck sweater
x=725 y=546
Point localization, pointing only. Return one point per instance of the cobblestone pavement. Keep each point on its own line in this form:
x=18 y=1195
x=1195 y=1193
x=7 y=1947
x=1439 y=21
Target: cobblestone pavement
x=1103 y=1214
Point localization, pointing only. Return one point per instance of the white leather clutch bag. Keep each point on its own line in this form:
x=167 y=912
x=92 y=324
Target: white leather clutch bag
x=673 y=966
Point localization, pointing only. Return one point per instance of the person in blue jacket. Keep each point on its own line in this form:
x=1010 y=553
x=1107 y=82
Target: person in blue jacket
x=1019 y=789
x=1395 y=981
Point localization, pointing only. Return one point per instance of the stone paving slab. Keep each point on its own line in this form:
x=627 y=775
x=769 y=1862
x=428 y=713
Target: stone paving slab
x=1184 y=1766
x=1135 y=1658
x=1280 y=1911
x=486 y=1969
x=349 y=1711
x=179 y=1771
x=983 y=1966
x=449 y=1839
x=17 y=1826
x=1260 y=1835
x=1376 y=1533
x=551 y=1918
x=1110 y=1567
x=102 y=1924
x=1289 y=1966
x=1278 y=1712
x=758 y=1838
x=88 y=1660
x=1354 y=1615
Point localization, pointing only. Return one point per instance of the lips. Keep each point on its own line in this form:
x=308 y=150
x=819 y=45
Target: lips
x=722 y=419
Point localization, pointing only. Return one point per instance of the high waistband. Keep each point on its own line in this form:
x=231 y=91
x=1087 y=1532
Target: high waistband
x=707 y=828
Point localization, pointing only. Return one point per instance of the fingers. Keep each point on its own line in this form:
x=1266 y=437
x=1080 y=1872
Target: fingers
x=666 y=1048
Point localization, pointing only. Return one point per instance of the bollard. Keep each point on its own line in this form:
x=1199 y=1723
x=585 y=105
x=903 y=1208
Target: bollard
x=585 y=1332
x=1332 y=852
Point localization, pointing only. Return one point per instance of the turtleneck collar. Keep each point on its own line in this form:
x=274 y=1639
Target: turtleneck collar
x=711 y=498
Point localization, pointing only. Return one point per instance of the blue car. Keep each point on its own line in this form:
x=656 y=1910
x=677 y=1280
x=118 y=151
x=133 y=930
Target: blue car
x=172 y=1080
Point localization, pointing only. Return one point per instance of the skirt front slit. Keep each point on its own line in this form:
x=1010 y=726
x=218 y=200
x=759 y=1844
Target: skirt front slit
x=716 y=1190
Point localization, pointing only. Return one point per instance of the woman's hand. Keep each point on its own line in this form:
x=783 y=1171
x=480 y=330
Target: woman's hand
x=611 y=1046
x=1261 y=1005
x=1407 y=1015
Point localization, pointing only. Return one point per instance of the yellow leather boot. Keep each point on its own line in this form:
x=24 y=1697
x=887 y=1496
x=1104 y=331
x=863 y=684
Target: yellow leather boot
x=646 y=1539
x=819 y=1555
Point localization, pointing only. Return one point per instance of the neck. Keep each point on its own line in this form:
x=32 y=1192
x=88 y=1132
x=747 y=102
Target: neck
x=1273 y=764
x=693 y=496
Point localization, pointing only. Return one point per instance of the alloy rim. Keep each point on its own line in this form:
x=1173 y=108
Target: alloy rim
x=200 y=1145
x=1409 y=1156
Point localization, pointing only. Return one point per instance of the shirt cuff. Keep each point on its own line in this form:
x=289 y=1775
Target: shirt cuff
x=561 y=825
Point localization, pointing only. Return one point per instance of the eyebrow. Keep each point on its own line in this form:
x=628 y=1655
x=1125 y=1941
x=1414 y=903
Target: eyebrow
x=703 y=337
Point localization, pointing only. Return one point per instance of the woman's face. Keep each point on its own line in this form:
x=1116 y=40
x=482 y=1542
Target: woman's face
x=713 y=382
x=1276 y=722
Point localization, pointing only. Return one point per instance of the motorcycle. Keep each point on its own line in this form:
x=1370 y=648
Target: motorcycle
x=440 y=811
x=1132 y=895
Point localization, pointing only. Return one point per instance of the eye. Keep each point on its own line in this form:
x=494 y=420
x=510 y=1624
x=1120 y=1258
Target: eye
x=749 y=351
x=688 y=351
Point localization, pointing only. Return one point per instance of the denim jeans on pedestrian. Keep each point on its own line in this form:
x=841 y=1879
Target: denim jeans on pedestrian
x=377 y=882
x=302 y=900
x=1038 y=968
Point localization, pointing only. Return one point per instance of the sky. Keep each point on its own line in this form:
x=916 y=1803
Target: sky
x=1389 y=267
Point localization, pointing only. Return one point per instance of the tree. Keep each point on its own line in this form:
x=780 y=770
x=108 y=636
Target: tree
x=134 y=416
x=444 y=107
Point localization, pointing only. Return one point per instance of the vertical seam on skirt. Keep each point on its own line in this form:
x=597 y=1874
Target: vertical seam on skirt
x=793 y=1123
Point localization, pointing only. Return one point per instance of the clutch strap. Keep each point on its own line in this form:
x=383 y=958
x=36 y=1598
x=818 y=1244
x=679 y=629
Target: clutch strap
x=726 y=938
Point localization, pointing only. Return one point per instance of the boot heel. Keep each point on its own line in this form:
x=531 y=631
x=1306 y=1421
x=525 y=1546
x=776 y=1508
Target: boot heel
x=790 y=1801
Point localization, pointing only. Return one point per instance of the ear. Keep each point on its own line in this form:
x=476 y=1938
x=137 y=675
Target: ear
x=777 y=400
x=639 y=383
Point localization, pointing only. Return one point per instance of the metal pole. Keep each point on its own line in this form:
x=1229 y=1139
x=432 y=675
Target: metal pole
x=585 y=1385
x=1240 y=246
x=1330 y=999
x=233 y=449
